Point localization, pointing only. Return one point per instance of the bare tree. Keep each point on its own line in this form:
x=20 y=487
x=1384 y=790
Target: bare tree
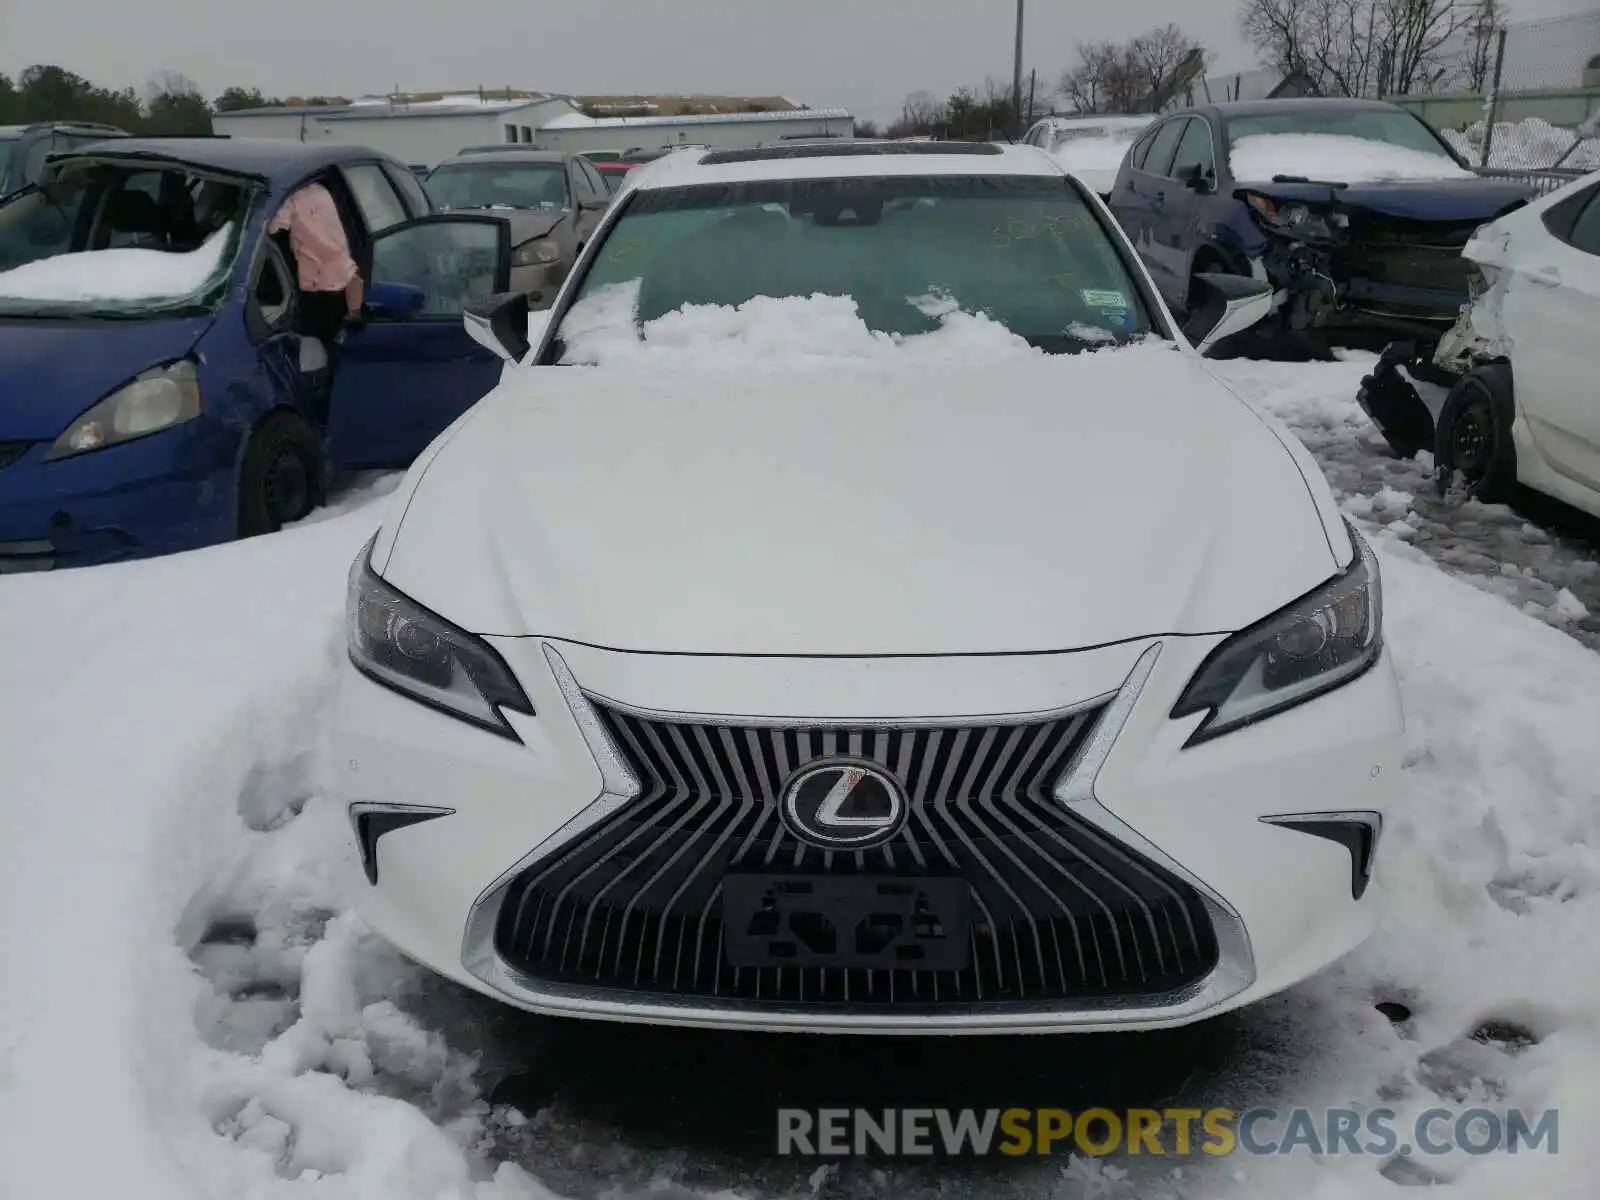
x=1477 y=62
x=1360 y=47
x=1124 y=76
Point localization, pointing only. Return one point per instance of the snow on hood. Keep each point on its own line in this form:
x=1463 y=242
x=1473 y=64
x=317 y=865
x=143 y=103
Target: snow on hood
x=885 y=499
x=117 y=275
x=1337 y=158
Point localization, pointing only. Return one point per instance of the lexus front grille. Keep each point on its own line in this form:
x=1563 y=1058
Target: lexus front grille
x=11 y=451
x=1053 y=910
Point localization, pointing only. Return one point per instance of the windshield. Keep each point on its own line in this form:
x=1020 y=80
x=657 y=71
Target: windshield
x=1023 y=250
x=104 y=239
x=1390 y=127
x=499 y=185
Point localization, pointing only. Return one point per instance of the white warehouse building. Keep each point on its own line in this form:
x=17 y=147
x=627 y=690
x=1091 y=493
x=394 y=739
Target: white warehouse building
x=425 y=133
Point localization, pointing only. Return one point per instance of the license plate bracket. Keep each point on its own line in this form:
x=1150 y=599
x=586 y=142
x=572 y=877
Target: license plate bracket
x=849 y=921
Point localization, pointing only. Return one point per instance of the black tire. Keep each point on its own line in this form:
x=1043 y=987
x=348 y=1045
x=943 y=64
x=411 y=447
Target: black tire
x=284 y=475
x=1474 y=435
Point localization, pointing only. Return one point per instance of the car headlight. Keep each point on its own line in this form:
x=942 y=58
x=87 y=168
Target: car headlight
x=157 y=400
x=536 y=253
x=1316 y=644
x=394 y=641
x=1296 y=220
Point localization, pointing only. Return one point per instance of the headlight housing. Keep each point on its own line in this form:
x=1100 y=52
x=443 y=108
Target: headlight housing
x=1318 y=643
x=1296 y=220
x=159 y=399
x=394 y=641
x=536 y=253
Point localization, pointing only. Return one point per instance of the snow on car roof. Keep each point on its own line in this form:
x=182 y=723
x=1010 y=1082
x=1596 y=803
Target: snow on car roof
x=686 y=167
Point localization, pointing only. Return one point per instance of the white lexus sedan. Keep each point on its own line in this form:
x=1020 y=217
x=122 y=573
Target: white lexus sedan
x=891 y=690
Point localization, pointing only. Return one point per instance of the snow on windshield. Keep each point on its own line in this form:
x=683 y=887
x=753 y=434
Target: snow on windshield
x=126 y=274
x=1335 y=157
x=601 y=330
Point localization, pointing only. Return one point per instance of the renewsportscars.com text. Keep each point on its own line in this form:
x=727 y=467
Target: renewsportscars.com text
x=1171 y=1132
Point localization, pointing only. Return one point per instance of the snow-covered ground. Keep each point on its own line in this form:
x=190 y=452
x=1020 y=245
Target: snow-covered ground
x=1551 y=577
x=188 y=1008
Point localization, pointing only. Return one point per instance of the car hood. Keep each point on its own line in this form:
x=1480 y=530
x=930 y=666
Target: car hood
x=52 y=370
x=1476 y=199
x=526 y=223
x=1024 y=505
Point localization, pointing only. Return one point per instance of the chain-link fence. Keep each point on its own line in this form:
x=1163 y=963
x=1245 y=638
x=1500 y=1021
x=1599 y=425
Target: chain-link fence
x=1525 y=99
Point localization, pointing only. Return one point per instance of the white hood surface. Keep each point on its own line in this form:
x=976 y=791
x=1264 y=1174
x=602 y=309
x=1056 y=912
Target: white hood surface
x=1032 y=503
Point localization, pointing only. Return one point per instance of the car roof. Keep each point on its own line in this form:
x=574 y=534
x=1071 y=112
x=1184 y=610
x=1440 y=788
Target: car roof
x=507 y=156
x=280 y=162
x=11 y=131
x=846 y=159
x=1112 y=120
x=1267 y=108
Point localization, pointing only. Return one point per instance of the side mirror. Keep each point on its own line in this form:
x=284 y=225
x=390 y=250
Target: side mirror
x=595 y=204
x=1194 y=178
x=500 y=324
x=394 y=301
x=1226 y=305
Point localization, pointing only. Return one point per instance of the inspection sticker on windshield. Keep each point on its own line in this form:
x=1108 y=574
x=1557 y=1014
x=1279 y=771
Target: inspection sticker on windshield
x=1095 y=298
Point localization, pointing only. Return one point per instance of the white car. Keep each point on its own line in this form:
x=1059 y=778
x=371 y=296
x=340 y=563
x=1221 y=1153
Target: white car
x=923 y=693
x=1091 y=147
x=1508 y=396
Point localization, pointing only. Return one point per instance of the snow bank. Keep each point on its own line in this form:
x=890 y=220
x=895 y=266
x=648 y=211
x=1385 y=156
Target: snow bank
x=1335 y=157
x=117 y=275
x=1527 y=144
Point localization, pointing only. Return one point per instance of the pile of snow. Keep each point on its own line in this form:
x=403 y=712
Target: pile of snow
x=601 y=330
x=123 y=275
x=1335 y=157
x=1527 y=144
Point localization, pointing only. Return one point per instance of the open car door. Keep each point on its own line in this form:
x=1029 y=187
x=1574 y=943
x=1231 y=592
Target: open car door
x=409 y=368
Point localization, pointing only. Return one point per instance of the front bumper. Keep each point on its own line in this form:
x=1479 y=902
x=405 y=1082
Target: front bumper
x=1380 y=294
x=170 y=491
x=484 y=811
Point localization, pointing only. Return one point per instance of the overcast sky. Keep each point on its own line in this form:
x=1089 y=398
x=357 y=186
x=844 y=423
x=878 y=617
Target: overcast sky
x=861 y=54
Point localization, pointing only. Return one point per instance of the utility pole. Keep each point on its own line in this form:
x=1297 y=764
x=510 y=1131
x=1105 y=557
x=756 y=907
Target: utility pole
x=1016 y=73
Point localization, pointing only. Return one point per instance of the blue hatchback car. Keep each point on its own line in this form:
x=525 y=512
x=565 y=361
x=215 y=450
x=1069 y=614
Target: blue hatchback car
x=155 y=394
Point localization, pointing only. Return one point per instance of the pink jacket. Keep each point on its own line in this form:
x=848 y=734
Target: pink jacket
x=316 y=235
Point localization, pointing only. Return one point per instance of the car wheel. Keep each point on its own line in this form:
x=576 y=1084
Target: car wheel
x=283 y=476
x=1474 y=435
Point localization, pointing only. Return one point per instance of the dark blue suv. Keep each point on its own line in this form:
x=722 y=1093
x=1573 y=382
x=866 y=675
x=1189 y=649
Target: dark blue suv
x=156 y=393
x=1355 y=210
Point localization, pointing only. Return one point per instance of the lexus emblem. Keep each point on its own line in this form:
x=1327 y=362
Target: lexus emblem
x=843 y=804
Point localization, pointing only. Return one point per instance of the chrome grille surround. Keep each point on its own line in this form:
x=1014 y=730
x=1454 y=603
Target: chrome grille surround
x=1065 y=817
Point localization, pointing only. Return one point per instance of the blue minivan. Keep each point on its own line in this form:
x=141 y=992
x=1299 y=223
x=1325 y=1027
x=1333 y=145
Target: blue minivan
x=155 y=394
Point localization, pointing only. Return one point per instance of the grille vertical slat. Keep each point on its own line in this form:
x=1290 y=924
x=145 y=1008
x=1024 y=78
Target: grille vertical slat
x=1058 y=909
